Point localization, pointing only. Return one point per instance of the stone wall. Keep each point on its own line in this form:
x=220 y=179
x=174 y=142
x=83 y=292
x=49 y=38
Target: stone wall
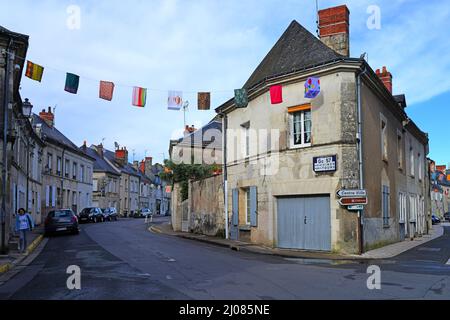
x=206 y=210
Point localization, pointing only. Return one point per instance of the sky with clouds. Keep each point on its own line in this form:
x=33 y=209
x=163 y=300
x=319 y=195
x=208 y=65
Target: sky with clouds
x=210 y=45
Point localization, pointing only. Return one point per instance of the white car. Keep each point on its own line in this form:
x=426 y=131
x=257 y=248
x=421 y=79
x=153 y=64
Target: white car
x=146 y=212
x=143 y=213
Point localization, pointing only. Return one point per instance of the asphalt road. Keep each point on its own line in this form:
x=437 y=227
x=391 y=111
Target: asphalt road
x=122 y=260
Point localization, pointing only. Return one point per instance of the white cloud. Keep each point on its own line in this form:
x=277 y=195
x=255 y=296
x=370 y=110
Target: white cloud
x=198 y=45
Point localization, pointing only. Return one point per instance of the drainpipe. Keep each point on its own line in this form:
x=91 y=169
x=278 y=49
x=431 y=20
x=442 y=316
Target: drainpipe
x=3 y=248
x=360 y=157
x=63 y=174
x=225 y=172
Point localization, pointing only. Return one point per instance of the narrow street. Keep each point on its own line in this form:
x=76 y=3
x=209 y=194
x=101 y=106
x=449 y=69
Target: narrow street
x=122 y=260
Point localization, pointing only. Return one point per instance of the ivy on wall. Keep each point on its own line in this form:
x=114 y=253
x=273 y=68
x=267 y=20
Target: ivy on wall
x=181 y=173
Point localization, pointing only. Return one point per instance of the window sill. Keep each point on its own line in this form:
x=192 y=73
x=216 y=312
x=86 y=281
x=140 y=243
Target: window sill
x=245 y=227
x=300 y=146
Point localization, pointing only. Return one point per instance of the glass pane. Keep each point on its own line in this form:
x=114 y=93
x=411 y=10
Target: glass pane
x=307 y=115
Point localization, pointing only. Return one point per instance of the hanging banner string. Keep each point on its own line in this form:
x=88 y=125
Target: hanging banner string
x=119 y=84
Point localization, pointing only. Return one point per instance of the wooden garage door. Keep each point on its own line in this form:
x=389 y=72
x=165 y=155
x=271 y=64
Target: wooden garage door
x=304 y=223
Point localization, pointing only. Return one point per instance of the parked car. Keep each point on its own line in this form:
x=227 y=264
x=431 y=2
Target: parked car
x=435 y=220
x=142 y=213
x=447 y=216
x=110 y=214
x=92 y=214
x=63 y=220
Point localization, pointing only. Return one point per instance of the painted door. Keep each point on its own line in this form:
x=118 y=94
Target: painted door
x=304 y=223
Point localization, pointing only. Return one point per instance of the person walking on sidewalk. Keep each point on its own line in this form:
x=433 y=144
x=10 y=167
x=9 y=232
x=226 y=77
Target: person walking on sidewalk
x=24 y=222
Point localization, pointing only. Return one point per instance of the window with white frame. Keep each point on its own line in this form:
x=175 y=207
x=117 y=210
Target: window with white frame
x=247 y=207
x=400 y=149
x=58 y=166
x=384 y=138
x=420 y=170
x=74 y=170
x=49 y=161
x=411 y=161
x=246 y=135
x=300 y=126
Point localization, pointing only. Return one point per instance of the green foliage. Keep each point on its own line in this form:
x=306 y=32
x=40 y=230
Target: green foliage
x=182 y=173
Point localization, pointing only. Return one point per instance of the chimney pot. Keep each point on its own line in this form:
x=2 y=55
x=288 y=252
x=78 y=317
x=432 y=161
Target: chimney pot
x=386 y=77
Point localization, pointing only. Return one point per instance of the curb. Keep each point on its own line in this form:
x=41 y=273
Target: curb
x=8 y=266
x=154 y=229
x=34 y=244
x=5 y=267
x=225 y=245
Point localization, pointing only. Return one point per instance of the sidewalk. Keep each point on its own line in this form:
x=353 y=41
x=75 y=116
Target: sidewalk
x=7 y=262
x=386 y=252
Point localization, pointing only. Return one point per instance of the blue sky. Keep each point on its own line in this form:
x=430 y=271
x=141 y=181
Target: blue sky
x=210 y=45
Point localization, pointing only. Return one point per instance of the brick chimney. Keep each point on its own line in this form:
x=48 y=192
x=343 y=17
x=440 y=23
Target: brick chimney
x=48 y=117
x=142 y=166
x=386 y=77
x=334 y=29
x=188 y=130
x=121 y=156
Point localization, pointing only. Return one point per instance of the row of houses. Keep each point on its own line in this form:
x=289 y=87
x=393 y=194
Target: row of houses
x=127 y=186
x=43 y=170
x=440 y=189
x=278 y=192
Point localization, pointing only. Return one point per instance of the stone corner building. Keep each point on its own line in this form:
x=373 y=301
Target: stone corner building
x=295 y=207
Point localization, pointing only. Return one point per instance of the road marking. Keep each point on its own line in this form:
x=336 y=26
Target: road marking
x=430 y=249
x=448 y=262
x=171 y=260
x=168 y=277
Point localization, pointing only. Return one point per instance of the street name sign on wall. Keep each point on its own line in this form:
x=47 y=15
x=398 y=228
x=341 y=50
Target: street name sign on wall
x=356 y=207
x=353 y=201
x=352 y=193
x=325 y=164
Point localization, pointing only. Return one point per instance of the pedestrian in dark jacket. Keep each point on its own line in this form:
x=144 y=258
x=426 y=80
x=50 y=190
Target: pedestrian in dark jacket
x=24 y=223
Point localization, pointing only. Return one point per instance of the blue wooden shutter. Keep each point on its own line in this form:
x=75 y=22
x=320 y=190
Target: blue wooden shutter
x=253 y=207
x=235 y=207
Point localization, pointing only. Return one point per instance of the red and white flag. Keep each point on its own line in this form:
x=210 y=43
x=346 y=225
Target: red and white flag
x=106 y=90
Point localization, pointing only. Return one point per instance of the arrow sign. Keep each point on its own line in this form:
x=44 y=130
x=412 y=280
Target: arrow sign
x=353 y=201
x=352 y=193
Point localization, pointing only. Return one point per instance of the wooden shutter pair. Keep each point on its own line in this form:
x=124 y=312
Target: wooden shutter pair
x=253 y=207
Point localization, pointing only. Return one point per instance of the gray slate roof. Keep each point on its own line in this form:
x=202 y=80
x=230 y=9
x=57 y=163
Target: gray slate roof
x=52 y=134
x=13 y=34
x=100 y=164
x=296 y=49
x=127 y=168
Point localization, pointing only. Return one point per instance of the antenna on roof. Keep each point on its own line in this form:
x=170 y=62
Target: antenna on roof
x=185 y=108
x=317 y=18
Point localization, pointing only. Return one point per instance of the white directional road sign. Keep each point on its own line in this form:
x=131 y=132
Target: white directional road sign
x=352 y=193
x=356 y=207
